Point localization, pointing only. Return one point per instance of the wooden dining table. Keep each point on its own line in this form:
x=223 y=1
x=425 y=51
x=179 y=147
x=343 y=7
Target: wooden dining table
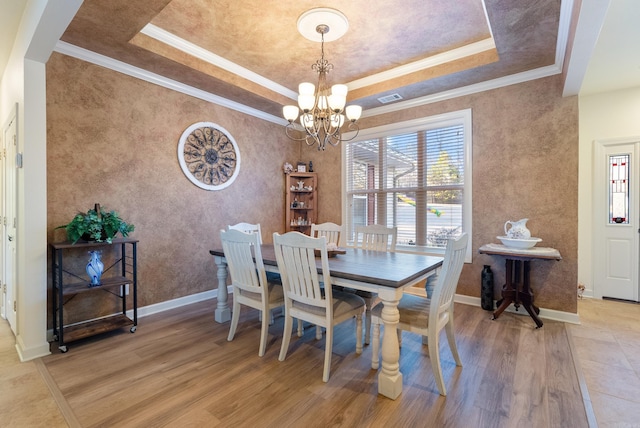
x=384 y=273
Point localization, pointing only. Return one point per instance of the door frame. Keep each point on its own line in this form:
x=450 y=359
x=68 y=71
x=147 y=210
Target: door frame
x=599 y=200
x=9 y=204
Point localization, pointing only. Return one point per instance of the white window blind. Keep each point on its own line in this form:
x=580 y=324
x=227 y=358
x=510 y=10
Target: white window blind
x=414 y=177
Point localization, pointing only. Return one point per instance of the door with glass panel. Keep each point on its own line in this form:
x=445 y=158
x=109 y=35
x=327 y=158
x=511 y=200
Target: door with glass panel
x=616 y=220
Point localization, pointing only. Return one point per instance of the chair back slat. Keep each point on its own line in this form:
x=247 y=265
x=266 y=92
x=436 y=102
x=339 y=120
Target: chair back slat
x=444 y=291
x=376 y=237
x=295 y=255
x=333 y=232
x=239 y=251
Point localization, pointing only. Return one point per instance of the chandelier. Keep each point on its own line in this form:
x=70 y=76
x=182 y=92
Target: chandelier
x=323 y=110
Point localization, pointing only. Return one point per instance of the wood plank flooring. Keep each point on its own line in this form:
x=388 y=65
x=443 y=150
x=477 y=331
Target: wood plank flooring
x=179 y=370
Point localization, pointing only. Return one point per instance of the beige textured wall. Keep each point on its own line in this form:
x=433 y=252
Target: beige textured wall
x=113 y=139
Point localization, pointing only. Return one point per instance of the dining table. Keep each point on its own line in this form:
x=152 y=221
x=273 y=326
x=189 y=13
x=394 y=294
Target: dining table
x=384 y=273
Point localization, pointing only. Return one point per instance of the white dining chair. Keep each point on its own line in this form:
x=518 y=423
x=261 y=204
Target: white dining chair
x=333 y=232
x=249 y=280
x=374 y=237
x=309 y=296
x=428 y=317
x=255 y=228
x=247 y=228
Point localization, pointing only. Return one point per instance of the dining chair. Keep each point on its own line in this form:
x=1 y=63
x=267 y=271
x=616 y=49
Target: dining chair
x=255 y=228
x=247 y=228
x=428 y=317
x=378 y=238
x=249 y=280
x=309 y=296
x=333 y=232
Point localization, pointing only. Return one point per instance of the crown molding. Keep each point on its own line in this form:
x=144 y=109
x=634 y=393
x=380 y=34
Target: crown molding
x=432 y=61
x=196 y=51
x=488 y=85
x=124 y=68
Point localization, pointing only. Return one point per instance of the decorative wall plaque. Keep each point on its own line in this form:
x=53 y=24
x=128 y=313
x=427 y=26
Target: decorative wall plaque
x=209 y=156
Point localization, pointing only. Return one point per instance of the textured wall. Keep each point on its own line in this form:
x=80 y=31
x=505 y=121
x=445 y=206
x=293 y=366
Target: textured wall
x=113 y=139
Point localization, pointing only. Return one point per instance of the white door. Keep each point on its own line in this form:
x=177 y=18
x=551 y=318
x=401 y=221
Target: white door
x=616 y=219
x=9 y=221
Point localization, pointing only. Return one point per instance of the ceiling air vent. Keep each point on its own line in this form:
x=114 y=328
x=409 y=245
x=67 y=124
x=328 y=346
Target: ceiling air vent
x=389 y=98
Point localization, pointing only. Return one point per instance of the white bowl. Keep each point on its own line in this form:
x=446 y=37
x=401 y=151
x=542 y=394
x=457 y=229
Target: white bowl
x=519 y=243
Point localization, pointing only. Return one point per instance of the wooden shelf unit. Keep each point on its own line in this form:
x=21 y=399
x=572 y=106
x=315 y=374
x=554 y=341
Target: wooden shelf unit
x=116 y=285
x=301 y=204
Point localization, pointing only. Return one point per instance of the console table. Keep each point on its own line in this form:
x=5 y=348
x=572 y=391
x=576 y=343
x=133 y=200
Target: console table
x=517 y=288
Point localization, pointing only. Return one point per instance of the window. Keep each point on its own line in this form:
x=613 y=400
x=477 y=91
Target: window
x=619 y=189
x=415 y=175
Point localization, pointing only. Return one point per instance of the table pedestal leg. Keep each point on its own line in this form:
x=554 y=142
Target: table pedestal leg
x=223 y=312
x=517 y=290
x=390 y=377
x=526 y=297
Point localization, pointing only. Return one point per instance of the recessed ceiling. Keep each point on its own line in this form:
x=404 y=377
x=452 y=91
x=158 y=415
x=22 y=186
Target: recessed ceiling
x=253 y=55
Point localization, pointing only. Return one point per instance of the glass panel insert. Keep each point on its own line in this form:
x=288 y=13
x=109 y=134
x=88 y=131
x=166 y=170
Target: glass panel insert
x=619 y=189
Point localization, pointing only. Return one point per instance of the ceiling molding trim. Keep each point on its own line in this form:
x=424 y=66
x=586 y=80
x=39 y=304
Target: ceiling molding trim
x=488 y=85
x=423 y=64
x=194 y=50
x=564 y=27
x=590 y=22
x=156 y=79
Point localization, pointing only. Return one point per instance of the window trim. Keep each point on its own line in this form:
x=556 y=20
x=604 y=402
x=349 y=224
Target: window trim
x=460 y=117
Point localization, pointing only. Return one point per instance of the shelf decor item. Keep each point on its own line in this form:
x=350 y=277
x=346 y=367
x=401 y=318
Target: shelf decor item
x=96 y=225
x=95 y=267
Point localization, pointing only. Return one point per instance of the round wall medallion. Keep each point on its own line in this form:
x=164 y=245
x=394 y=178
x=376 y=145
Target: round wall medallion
x=209 y=156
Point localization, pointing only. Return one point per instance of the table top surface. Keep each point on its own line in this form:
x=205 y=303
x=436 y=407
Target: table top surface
x=521 y=254
x=389 y=269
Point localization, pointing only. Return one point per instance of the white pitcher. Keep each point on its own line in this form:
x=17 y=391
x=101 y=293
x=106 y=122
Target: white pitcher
x=518 y=229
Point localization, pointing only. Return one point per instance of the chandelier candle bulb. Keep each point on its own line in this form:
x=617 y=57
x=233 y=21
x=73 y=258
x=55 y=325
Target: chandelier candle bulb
x=353 y=112
x=306 y=88
x=290 y=113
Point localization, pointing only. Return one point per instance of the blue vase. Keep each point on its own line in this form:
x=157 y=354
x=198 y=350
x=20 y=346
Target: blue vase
x=95 y=268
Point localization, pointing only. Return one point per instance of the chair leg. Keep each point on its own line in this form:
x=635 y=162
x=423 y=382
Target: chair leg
x=434 y=356
x=399 y=334
x=235 y=317
x=359 y=334
x=367 y=325
x=300 y=328
x=375 y=346
x=328 y=348
x=318 y=332
x=271 y=317
x=452 y=341
x=288 y=326
x=264 y=332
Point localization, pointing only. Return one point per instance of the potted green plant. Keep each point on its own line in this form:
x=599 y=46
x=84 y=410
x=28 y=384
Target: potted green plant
x=96 y=225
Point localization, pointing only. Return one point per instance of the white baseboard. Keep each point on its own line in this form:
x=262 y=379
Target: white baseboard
x=167 y=305
x=176 y=303
x=549 y=314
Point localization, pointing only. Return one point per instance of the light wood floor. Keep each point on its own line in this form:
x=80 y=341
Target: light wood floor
x=179 y=370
